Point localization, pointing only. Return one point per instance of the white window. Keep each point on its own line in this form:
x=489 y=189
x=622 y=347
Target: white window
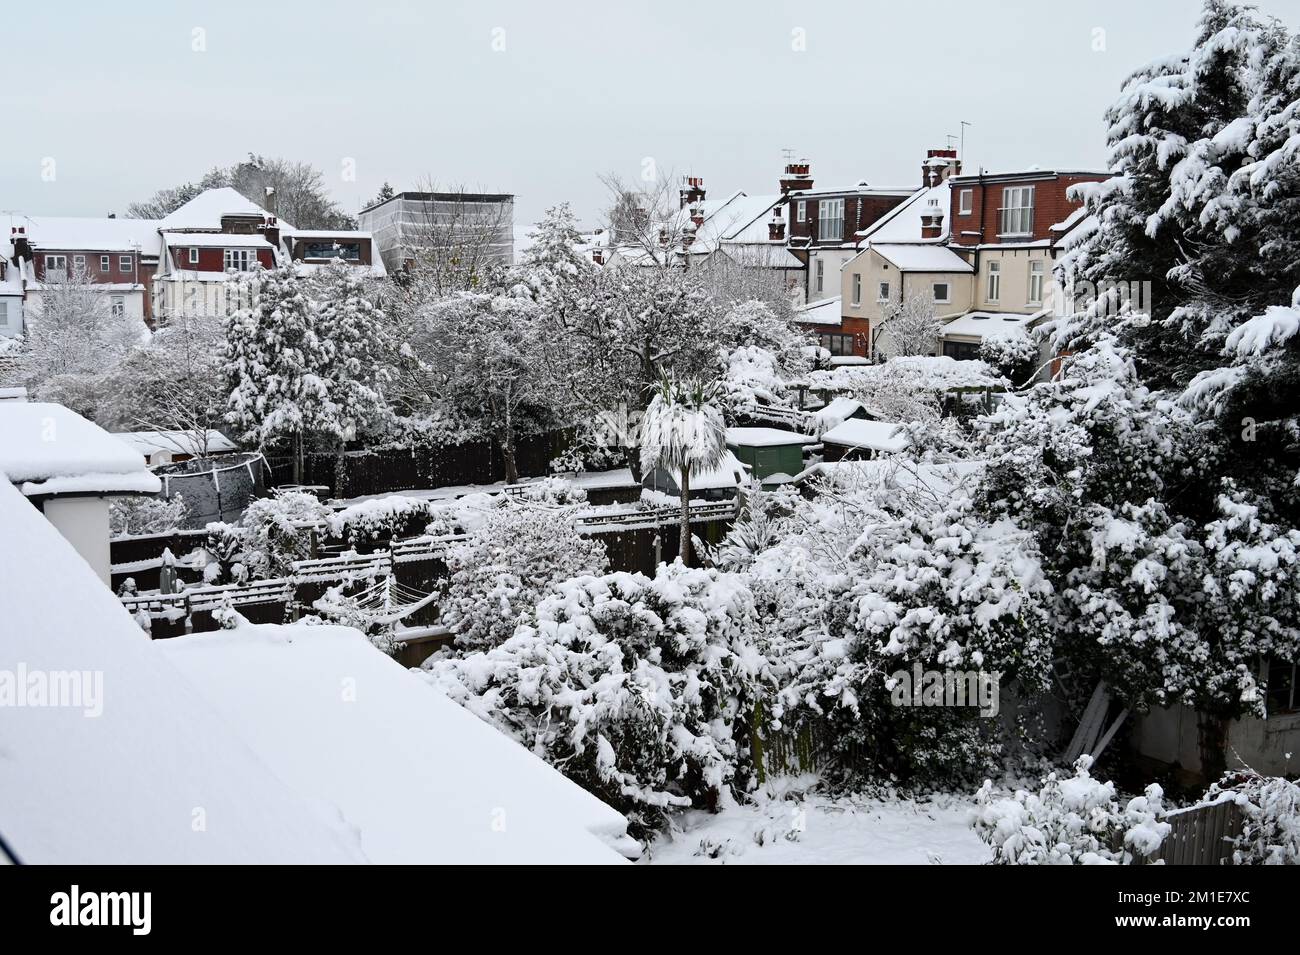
x=194 y=255
x=802 y=211
x=994 y=281
x=965 y=201
x=1037 y=271
x=4 y=316
x=942 y=292
x=821 y=274
x=1017 y=210
x=830 y=220
x=882 y=293
x=241 y=260
x=119 y=306
x=857 y=288
x=124 y=263
x=79 y=263
x=105 y=263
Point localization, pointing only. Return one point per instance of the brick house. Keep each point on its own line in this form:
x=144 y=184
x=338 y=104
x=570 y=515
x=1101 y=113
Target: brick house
x=824 y=225
x=1009 y=226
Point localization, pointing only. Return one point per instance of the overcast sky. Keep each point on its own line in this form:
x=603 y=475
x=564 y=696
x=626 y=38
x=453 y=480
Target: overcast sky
x=538 y=99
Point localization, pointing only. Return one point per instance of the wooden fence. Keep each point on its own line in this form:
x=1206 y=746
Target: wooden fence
x=383 y=471
x=1201 y=835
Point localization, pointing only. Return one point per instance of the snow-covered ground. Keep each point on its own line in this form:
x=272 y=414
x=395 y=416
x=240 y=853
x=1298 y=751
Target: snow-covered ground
x=791 y=828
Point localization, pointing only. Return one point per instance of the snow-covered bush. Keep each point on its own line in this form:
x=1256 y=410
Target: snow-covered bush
x=272 y=533
x=1270 y=806
x=554 y=491
x=641 y=690
x=940 y=591
x=1012 y=353
x=146 y=515
x=513 y=558
x=379 y=519
x=1077 y=820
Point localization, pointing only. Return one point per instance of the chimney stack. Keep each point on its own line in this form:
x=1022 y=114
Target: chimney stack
x=598 y=256
x=692 y=191
x=796 y=178
x=939 y=165
x=776 y=228
x=697 y=216
x=932 y=220
x=271 y=229
x=22 y=247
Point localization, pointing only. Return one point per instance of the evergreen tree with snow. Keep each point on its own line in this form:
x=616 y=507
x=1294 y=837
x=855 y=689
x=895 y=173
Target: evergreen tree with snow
x=552 y=257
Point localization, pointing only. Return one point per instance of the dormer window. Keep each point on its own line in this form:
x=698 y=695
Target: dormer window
x=1017 y=211
x=194 y=255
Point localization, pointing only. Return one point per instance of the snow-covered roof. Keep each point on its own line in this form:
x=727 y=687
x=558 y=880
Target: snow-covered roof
x=216 y=240
x=182 y=442
x=839 y=410
x=345 y=234
x=49 y=449
x=873 y=435
x=939 y=372
x=824 y=312
x=127 y=776
x=979 y=324
x=418 y=778
x=765 y=437
x=903 y=222
x=922 y=258
x=205 y=210
x=76 y=233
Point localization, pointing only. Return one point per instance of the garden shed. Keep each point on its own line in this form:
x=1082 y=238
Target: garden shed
x=772 y=455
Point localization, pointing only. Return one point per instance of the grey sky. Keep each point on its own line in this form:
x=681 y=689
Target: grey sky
x=118 y=97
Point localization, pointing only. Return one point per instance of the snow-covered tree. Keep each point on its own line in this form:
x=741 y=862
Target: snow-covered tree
x=510 y=561
x=1171 y=581
x=73 y=337
x=641 y=690
x=909 y=328
x=552 y=257
x=619 y=329
x=146 y=515
x=270 y=535
x=299 y=366
x=683 y=433
x=1203 y=205
x=481 y=359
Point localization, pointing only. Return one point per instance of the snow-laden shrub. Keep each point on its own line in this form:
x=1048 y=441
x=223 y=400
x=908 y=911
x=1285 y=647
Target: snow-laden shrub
x=1012 y=353
x=511 y=559
x=272 y=533
x=640 y=690
x=146 y=515
x=1077 y=820
x=1270 y=806
x=941 y=592
x=554 y=491
x=379 y=519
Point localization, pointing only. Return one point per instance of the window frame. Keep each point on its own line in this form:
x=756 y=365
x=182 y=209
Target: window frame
x=106 y=264
x=50 y=263
x=1024 y=213
x=965 y=201
x=79 y=262
x=947 y=295
x=801 y=211
x=826 y=215
x=882 y=291
x=993 y=282
x=246 y=257
x=819 y=274
x=857 y=288
x=117 y=306
x=1037 y=275
x=124 y=265
x=193 y=257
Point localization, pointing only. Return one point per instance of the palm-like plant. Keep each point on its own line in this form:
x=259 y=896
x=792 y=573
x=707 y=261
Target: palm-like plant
x=682 y=432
